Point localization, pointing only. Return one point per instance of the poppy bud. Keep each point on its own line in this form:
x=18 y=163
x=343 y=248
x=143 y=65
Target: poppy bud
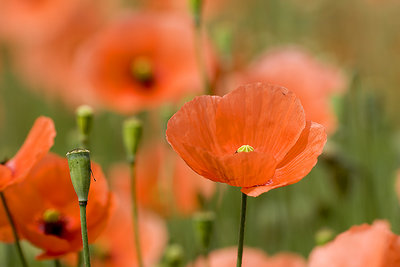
x=173 y=256
x=203 y=226
x=196 y=8
x=132 y=134
x=80 y=172
x=245 y=148
x=84 y=119
x=324 y=236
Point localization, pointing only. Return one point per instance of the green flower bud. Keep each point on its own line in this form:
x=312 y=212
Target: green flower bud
x=203 y=226
x=80 y=171
x=245 y=148
x=196 y=7
x=174 y=256
x=324 y=236
x=132 y=134
x=84 y=119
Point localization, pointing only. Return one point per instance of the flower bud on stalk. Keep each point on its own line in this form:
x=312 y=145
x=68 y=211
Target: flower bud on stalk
x=203 y=226
x=80 y=171
x=84 y=121
x=173 y=256
x=132 y=134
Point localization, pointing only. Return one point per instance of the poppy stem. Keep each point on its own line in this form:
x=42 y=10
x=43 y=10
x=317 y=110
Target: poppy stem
x=57 y=263
x=135 y=214
x=241 y=230
x=14 y=230
x=86 y=255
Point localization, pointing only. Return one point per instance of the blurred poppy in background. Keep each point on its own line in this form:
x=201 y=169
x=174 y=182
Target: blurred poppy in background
x=364 y=245
x=116 y=245
x=251 y=257
x=313 y=82
x=140 y=61
x=164 y=182
x=51 y=221
x=208 y=131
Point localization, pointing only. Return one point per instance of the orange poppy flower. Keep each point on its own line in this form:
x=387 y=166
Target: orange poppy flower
x=48 y=66
x=116 y=245
x=137 y=63
x=208 y=131
x=364 y=245
x=251 y=257
x=312 y=81
x=35 y=21
x=38 y=142
x=164 y=181
x=51 y=221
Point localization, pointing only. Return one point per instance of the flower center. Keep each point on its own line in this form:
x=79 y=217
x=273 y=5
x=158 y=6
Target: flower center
x=142 y=71
x=245 y=148
x=52 y=223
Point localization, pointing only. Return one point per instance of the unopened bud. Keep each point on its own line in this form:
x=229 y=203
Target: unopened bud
x=80 y=171
x=324 y=236
x=84 y=119
x=174 y=256
x=132 y=134
x=196 y=7
x=203 y=226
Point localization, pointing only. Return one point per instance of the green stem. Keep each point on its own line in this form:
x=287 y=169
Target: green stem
x=14 y=230
x=86 y=255
x=241 y=230
x=57 y=263
x=135 y=214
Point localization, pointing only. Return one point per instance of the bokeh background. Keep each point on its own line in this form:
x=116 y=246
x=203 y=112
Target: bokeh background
x=355 y=179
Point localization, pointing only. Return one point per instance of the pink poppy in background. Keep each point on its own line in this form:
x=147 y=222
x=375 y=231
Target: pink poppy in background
x=116 y=246
x=47 y=66
x=164 y=182
x=31 y=22
x=141 y=61
x=294 y=68
x=364 y=245
x=251 y=257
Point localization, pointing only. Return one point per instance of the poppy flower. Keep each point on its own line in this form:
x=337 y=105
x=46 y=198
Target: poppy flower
x=116 y=245
x=311 y=80
x=51 y=221
x=136 y=62
x=34 y=21
x=163 y=181
x=266 y=120
x=48 y=66
x=251 y=257
x=38 y=142
x=364 y=245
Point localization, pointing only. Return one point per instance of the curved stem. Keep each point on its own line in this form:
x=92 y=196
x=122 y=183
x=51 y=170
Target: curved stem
x=241 y=230
x=14 y=230
x=135 y=214
x=86 y=255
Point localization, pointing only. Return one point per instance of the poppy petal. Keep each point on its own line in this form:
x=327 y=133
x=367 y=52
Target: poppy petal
x=267 y=117
x=298 y=162
x=194 y=123
x=240 y=169
x=38 y=142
